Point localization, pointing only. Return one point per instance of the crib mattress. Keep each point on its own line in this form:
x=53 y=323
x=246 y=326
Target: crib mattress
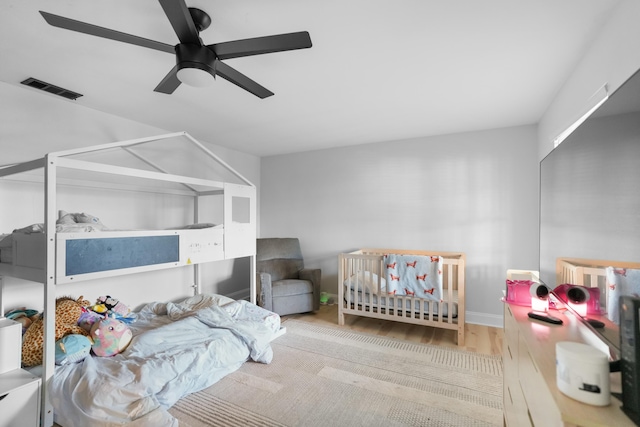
x=394 y=303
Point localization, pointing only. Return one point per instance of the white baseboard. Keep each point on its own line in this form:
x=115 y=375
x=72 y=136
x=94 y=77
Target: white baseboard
x=485 y=319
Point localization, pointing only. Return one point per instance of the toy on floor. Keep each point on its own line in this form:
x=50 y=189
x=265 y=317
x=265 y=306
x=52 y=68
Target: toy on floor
x=110 y=337
x=72 y=348
x=68 y=312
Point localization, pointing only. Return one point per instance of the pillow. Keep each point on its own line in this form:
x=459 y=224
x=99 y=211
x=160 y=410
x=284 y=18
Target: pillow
x=78 y=222
x=65 y=218
x=620 y=281
x=366 y=280
x=77 y=218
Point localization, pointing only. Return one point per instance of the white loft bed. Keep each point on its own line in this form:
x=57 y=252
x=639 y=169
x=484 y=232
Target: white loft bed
x=53 y=258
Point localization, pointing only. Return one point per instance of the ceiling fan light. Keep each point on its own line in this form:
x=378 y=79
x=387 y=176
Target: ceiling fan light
x=195 y=77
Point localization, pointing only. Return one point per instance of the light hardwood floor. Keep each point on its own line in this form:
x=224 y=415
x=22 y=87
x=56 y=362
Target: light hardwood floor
x=479 y=339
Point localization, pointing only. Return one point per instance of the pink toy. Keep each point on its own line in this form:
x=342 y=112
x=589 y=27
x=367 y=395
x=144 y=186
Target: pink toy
x=110 y=337
x=518 y=292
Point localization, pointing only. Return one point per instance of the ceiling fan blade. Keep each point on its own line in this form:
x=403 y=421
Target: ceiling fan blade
x=94 y=30
x=170 y=82
x=260 y=45
x=181 y=21
x=237 y=78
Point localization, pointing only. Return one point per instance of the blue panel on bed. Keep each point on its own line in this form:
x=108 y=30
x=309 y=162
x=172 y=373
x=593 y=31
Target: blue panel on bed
x=93 y=255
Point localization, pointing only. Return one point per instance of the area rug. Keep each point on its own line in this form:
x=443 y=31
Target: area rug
x=330 y=376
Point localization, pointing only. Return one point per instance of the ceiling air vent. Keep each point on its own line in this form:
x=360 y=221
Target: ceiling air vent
x=56 y=90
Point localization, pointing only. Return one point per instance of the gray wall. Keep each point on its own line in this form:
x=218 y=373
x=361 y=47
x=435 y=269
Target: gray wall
x=472 y=192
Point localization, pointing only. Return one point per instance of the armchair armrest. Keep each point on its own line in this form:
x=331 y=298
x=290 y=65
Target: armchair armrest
x=314 y=275
x=264 y=280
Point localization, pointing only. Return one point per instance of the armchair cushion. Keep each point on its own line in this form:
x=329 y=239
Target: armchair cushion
x=286 y=286
x=281 y=269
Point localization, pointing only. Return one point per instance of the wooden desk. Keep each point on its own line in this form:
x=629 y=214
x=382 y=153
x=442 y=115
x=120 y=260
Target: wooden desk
x=531 y=396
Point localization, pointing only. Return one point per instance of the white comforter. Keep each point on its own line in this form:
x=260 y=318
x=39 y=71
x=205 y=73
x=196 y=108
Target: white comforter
x=177 y=349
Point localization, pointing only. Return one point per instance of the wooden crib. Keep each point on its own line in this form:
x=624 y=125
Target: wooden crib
x=361 y=291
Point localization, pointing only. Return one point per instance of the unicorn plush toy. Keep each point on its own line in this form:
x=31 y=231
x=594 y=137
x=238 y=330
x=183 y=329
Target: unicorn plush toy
x=110 y=337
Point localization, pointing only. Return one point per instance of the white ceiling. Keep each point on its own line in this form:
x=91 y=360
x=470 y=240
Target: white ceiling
x=378 y=70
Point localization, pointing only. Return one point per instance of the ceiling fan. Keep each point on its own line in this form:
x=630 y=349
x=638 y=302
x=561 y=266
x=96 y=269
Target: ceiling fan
x=196 y=62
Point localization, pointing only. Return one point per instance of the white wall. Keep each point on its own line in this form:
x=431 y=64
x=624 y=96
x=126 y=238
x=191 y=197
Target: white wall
x=611 y=60
x=473 y=192
x=34 y=123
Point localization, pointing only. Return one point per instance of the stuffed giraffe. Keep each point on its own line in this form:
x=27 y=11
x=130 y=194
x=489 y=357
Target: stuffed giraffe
x=68 y=312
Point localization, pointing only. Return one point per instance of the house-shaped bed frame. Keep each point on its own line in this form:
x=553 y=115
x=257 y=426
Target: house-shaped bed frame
x=146 y=165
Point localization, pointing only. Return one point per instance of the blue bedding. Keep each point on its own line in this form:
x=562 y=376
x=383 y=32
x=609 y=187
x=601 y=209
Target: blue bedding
x=413 y=275
x=177 y=349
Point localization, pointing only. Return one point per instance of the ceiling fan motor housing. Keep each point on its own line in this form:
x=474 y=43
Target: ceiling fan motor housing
x=195 y=56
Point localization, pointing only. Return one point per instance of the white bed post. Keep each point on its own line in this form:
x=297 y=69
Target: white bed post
x=197 y=289
x=1 y=293
x=252 y=280
x=48 y=355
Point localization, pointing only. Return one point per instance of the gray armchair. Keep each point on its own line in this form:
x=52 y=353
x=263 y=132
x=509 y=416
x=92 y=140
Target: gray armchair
x=285 y=286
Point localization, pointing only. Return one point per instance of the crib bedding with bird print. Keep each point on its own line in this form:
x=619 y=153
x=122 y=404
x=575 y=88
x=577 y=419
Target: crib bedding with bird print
x=414 y=275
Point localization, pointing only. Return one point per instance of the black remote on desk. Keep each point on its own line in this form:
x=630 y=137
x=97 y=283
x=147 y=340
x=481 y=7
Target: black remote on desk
x=545 y=318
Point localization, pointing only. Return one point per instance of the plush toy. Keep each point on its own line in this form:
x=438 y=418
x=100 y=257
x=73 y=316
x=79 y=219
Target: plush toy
x=87 y=319
x=110 y=337
x=72 y=348
x=108 y=305
x=113 y=305
x=68 y=312
x=99 y=308
x=23 y=316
